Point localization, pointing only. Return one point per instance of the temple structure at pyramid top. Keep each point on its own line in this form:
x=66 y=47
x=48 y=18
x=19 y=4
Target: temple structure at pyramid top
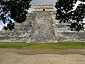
x=43 y=7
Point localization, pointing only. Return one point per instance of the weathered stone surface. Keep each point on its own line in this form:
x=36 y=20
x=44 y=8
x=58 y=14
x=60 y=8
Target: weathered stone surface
x=41 y=27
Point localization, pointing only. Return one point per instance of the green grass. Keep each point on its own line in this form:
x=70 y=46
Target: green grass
x=41 y=46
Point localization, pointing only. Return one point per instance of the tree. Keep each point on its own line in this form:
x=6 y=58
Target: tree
x=82 y=0
x=65 y=13
x=63 y=9
x=78 y=15
x=17 y=9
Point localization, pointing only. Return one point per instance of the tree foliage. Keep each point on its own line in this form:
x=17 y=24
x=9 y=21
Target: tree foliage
x=63 y=9
x=17 y=9
x=78 y=15
x=82 y=0
x=66 y=13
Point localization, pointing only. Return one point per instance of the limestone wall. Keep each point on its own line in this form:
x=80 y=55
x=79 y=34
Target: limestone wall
x=43 y=7
x=41 y=27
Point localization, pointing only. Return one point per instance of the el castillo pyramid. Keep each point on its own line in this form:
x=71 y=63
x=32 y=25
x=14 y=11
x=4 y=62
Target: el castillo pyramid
x=42 y=27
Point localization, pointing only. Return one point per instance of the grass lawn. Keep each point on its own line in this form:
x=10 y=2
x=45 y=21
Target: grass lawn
x=41 y=46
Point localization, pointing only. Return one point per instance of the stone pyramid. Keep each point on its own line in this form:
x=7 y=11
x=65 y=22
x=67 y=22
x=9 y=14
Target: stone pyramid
x=41 y=27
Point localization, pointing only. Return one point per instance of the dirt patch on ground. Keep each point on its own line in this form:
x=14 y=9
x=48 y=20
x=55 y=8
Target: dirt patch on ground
x=42 y=56
x=31 y=52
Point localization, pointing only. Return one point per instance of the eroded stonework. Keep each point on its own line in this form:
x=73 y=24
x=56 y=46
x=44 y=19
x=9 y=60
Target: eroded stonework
x=41 y=27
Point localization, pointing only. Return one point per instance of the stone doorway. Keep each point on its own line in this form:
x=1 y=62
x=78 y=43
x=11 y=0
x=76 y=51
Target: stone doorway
x=43 y=9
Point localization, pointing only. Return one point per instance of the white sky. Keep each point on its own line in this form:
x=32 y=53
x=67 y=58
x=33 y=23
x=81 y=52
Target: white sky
x=1 y=27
